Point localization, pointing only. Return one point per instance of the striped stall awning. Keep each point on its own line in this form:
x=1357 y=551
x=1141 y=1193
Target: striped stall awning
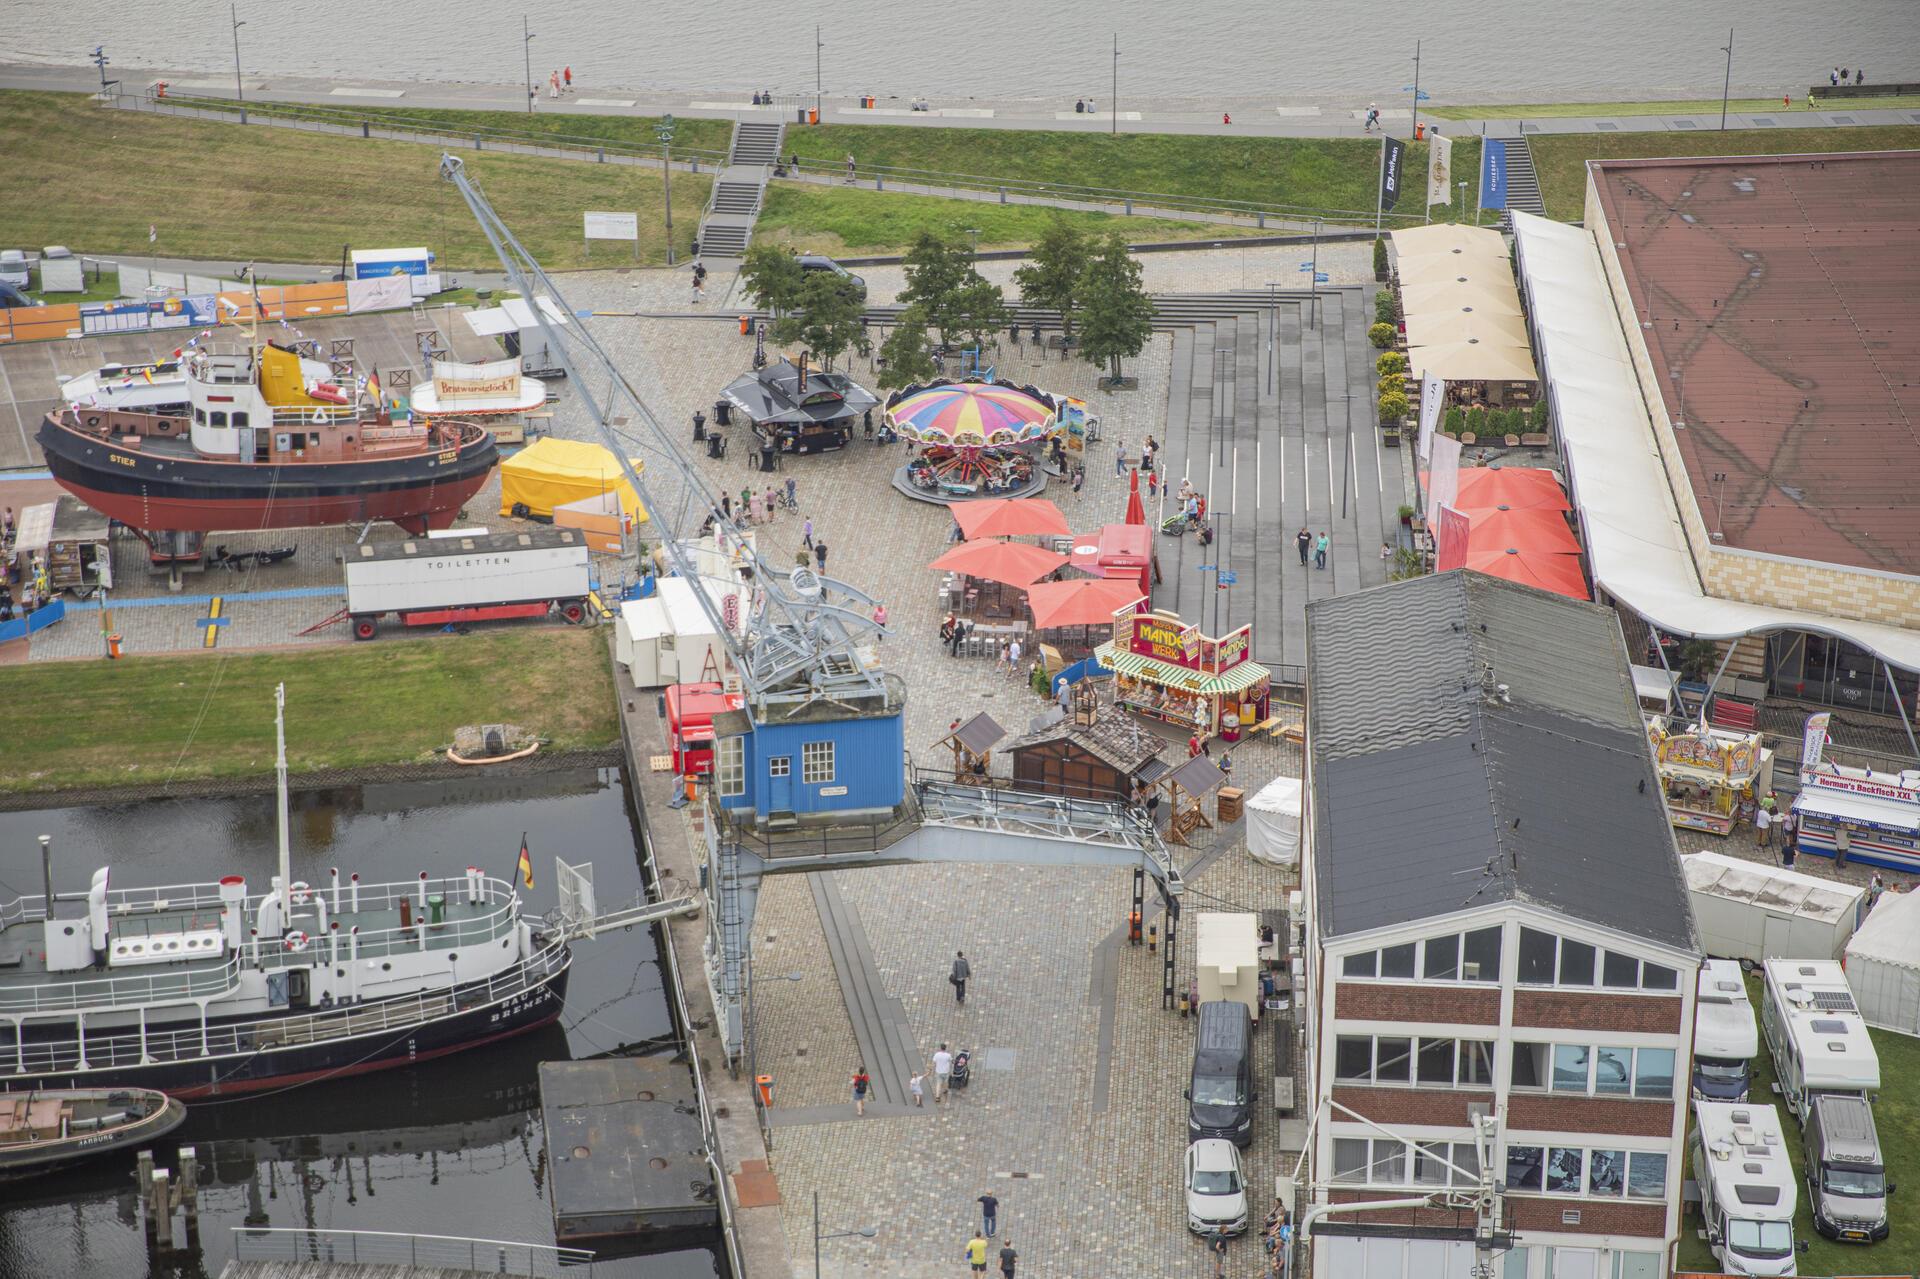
x=1242 y=677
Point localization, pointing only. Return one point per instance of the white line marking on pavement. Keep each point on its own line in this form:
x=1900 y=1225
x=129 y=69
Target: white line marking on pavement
x=1258 y=449
x=1330 y=476
x=369 y=93
x=1306 y=467
x=1234 y=508
x=603 y=102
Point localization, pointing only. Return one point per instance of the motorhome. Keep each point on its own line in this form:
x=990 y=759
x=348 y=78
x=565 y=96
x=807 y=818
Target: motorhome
x=1725 y=1037
x=1816 y=1034
x=1747 y=1188
x=1846 y=1175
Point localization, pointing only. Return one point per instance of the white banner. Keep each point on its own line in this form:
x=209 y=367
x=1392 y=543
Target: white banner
x=1439 y=169
x=1443 y=480
x=612 y=226
x=1814 y=745
x=468 y=381
x=1433 y=394
x=382 y=293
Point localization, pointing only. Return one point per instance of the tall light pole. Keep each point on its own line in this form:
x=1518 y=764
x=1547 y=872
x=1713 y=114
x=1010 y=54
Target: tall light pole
x=1416 y=90
x=817 y=46
x=239 y=91
x=664 y=132
x=1726 y=85
x=865 y=1232
x=1116 y=85
x=526 y=52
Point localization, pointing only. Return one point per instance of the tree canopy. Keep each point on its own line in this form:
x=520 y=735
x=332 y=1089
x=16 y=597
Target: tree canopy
x=1051 y=276
x=1117 y=313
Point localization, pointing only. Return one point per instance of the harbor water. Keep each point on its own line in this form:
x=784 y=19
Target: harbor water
x=450 y=1147
x=1474 y=50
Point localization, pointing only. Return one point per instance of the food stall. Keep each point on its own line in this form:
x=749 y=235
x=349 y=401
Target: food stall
x=690 y=712
x=1123 y=552
x=1878 y=813
x=1710 y=776
x=1168 y=670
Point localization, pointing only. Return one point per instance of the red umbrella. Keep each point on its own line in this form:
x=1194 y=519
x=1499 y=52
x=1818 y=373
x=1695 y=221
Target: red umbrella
x=1136 y=513
x=1009 y=517
x=1547 y=571
x=1085 y=602
x=1521 y=487
x=1530 y=530
x=1013 y=563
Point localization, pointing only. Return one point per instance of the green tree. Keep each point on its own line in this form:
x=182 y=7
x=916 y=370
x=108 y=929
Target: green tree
x=905 y=352
x=1051 y=276
x=826 y=319
x=773 y=278
x=978 y=311
x=937 y=272
x=1117 y=313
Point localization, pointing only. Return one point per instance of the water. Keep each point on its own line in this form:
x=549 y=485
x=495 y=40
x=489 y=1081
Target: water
x=1484 y=50
x=453 y=1147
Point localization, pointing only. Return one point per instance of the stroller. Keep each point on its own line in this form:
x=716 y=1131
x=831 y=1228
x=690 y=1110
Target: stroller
x=962 y=1069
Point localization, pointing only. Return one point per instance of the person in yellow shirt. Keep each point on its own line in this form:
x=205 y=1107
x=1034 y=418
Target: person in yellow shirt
x=976 y=1253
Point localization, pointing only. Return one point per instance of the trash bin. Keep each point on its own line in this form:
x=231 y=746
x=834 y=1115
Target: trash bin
x=766 y=458
x=1419 y=133
x=799 y=115
x=813 y=116
x=113 y=645
x=722 y=413
x=700 y=425
x=746 y=326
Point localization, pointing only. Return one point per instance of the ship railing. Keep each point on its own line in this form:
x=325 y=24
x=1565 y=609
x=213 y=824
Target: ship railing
x=470 y=930
x=343 y=415
x=387 y=1247
x=125 y=1049
x=172 y=986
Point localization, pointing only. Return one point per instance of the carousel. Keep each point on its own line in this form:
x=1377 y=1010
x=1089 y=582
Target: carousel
x=974 y=439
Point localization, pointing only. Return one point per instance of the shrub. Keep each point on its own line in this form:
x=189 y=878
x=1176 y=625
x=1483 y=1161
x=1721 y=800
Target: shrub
x=1381 y=335
x=1380 y=257
x=1454 y=421
x=1385 y=308
x=1537 y=417
x=1477 y=421
x=1390 y=362
x=1393 y=406
x=1391 y=382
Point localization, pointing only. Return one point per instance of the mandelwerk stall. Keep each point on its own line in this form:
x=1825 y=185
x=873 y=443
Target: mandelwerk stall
x=1169 y=671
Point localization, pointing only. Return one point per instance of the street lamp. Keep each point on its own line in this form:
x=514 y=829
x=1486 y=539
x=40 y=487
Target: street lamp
x=1115 y=131
x=526 y=49
x=1726 y=85
x=239 y=91
x=817 y=46
x=100 y=60
x=865 y=1232
x=664 y=132
x=974 y=231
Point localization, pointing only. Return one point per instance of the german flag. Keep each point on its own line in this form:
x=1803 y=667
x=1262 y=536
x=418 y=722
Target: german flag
x=524 y=867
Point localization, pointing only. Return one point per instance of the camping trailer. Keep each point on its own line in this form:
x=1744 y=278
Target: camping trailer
x=1725 y=1037
x=1747 y=1189
x=1227 y=959
x=1816 y=1034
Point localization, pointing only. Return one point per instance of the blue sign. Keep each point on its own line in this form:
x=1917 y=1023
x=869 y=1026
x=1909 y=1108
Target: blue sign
x=1207 y=568
x=1493 y=174
x=1227 y=577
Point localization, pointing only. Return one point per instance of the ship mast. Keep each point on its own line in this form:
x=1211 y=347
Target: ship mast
x=280 y=779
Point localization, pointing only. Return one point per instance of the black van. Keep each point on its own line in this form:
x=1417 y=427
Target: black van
x=1222 y=1088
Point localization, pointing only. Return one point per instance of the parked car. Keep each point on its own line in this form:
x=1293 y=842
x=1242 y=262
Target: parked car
x=820 y=262
x=14 y=268
x=12 y=297
x=1216 y=1188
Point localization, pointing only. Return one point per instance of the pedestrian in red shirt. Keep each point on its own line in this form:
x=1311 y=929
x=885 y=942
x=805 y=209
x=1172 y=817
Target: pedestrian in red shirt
x=569 y=76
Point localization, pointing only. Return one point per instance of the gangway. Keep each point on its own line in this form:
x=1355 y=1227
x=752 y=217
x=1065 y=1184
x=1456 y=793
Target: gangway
x=578 y=915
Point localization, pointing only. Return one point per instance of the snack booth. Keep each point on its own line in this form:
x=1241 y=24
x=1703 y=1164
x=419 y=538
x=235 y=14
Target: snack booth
x=1877 y=812
x=1711 y=777
x=690 y=712
x=1168 y=670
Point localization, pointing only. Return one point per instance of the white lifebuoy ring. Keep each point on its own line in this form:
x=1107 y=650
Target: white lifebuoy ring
x=297 y=941
x=300 y=892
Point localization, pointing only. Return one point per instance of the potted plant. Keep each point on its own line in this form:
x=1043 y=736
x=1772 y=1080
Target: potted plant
x=1393 y=407
x=1386 y=306
x=1454 y=421
x=1381 y=335
x=1391 y=362
x=1380 y=260
x=1477 y=424
x=1406 y=515
x=1390 y=382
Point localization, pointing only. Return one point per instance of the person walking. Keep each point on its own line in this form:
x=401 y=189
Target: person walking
x=962 y=970
x=1790 y=850
x=1226 y=117
x=553 y=85
x=806 y=530
x=1859 y=75
x=793 y=501
x=566 y=77
x=820 y=555
x=1120 y=458
x=699 y=282
x=942 y=1070
x=976 y=1253
x=1320 y=551
x=1303 y=540
x=1762 y=827
x=753 y=508
x=916 y=1084
x=1875 y=887
x=1217 y=1246
x=862 y=1084
x=990 y=1208
x=850 y=168
x=1789 y=831
x=880 y=619
x=1013 y=662
x=1008 y=1258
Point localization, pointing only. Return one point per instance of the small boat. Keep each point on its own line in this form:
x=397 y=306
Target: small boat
x=45 y=1128
x=491 y=744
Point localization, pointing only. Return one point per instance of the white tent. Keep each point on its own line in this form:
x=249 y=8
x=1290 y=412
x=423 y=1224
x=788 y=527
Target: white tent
x=1883 y=964
x=637 y=642
x=1273 y=823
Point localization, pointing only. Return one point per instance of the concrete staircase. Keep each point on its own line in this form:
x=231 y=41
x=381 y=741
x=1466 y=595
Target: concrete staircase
x=740 y=188
x=1523 y=185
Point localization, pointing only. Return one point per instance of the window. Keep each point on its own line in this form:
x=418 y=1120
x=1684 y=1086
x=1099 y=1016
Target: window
x=1397 y=961
x=1430 y=1163
x=1436 y=1061
x=1607 y=1172
x=1654 y=977
x=1529 y=1071
x=1564 y=1165
x=1653 y=1072
x=780 y=766
x=1353 y=1058
x=1357 y=1162
x=1350 y=1160
x=730 y=766
x=1646 y=1175
x=1467 y=1159
x=1622 y=972
x=1536 y=957
x=816 y=762
x=240 y=419
x=283 y=442
x=1525 y=1166
x=1612 y=1071
x=1360 y=965
x=1389 y=1163
x=1393 y=1064
x=1442 y=961
x=200 y=416
x=1482 y=955
x=1570 y=1067
x=1576 y=962
x=1476 y=1065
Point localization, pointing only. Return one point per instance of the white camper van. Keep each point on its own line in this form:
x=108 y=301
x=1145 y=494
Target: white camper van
x=1747 y=1188
x=1725 y=1037
x=1816 y=1034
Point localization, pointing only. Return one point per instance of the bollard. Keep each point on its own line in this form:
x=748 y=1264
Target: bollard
x=1262 y=219
x=765 y=1084
x=476 y=142
x=1003 y=195
x=603 y=156
x=1129 y=207
x=365 y=131
x=1133 y=927
x=1153 y=938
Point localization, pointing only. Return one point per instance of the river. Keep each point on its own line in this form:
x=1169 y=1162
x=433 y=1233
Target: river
x=453 y=1147
x=1474 y=50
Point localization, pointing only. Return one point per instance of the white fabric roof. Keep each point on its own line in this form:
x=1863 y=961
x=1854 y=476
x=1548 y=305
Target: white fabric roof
x=1858 y=808
x=1634 y=541
x=1891 y=932
x=512 y=313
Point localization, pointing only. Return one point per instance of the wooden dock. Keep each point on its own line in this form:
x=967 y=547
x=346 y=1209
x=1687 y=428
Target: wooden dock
x=625 y=1153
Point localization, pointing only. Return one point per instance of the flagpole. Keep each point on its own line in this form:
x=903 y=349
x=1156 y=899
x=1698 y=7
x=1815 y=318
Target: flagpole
x=1380 y=191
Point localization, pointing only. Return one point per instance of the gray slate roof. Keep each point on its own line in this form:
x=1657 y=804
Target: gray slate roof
x=1434 y=792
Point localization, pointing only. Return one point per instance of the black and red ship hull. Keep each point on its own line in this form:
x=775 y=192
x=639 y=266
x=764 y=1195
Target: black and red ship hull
x=156 y=491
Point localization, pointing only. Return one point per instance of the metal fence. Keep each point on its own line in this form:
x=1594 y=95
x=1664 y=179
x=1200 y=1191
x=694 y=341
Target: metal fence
x=385 y=1247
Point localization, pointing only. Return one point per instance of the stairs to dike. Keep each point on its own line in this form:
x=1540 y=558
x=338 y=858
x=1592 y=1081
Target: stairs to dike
x=740 y=188
x=1523 y=184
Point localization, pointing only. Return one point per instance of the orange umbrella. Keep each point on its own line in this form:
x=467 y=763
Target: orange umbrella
x=1545 y=570
x=1533 y=530
x=1084 y=602
x=1136 y=513
x=1013 y=563
x=1009 y=517
x=1520 y=487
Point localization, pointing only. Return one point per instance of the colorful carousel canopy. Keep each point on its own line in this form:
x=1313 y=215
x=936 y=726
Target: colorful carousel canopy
x=973 y=415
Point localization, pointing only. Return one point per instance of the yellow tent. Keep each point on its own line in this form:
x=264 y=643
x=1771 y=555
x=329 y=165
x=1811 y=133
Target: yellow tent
x=551 y=472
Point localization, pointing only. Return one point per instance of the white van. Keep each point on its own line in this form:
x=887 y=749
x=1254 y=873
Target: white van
x=1725 y=1036
x=1816 y=1034
x=1747 y=1189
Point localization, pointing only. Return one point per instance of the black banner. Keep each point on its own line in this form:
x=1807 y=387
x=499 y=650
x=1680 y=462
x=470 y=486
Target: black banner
x=1390 y=172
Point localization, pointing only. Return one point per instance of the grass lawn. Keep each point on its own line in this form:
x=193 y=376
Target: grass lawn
x=578 y=130
x=1560 y=161
x=1897 y=1118
x=222 y=192
x=1702 y=106
x=101 y=723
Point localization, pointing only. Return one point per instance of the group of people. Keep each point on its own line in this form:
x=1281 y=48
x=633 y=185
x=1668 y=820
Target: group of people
x=558 y=82
x=759 y=507
x=1307 y=541
x=1838 y=76
x=975 y=1253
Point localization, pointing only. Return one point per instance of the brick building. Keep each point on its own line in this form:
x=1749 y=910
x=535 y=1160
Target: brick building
x=1497 y=926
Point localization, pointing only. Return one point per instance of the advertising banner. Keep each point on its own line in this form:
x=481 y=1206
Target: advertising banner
x=1814 y=745
x=1443 y=485
x=1433 y=393
x=612 y=226
x=1450 y=540
x=452 y=382
x=1493 y=174
x=1395 y=152
x=1439 y=169
x=1166 y=640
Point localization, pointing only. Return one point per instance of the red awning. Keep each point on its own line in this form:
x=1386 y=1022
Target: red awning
x=1530 y=530
x=1084 y=602
x=1547 y=571
x=1009 y=517
x=1013 y=563
x=1519 y=487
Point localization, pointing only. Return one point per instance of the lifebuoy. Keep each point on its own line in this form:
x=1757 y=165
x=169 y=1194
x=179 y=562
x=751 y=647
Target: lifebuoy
x=297 y=941
x=300 y=892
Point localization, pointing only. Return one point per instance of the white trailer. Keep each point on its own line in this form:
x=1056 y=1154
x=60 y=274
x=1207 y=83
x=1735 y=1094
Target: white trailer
x=1747 y=1190
x=1725 y=1036
x=1752 y=911
x=1227 y=958
x=481 y=577
x=1815 y=1032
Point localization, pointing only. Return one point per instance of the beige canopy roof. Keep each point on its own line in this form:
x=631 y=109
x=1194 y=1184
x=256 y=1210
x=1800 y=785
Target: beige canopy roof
x=1444 y=269
x=1438 y=328
x=1449 y=237
x=1474 y=362
x=1486 y=295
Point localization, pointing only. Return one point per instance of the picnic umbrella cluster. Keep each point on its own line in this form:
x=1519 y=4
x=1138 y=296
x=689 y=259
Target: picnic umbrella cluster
x=1517 y=529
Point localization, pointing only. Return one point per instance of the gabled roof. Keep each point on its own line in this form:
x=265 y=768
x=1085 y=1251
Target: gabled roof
x=1112 y=738
x=1474 y=741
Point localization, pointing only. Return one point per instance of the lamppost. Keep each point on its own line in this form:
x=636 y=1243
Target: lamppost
x=1463 y=203
x=100 y=60
x=974 y=231
x=1115 y=131
x=817 y=46
x=664 y=132
x=1726 y=86
x=526 y=49
x=1223 y=414
x=239 y=91
x=865 y=1232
